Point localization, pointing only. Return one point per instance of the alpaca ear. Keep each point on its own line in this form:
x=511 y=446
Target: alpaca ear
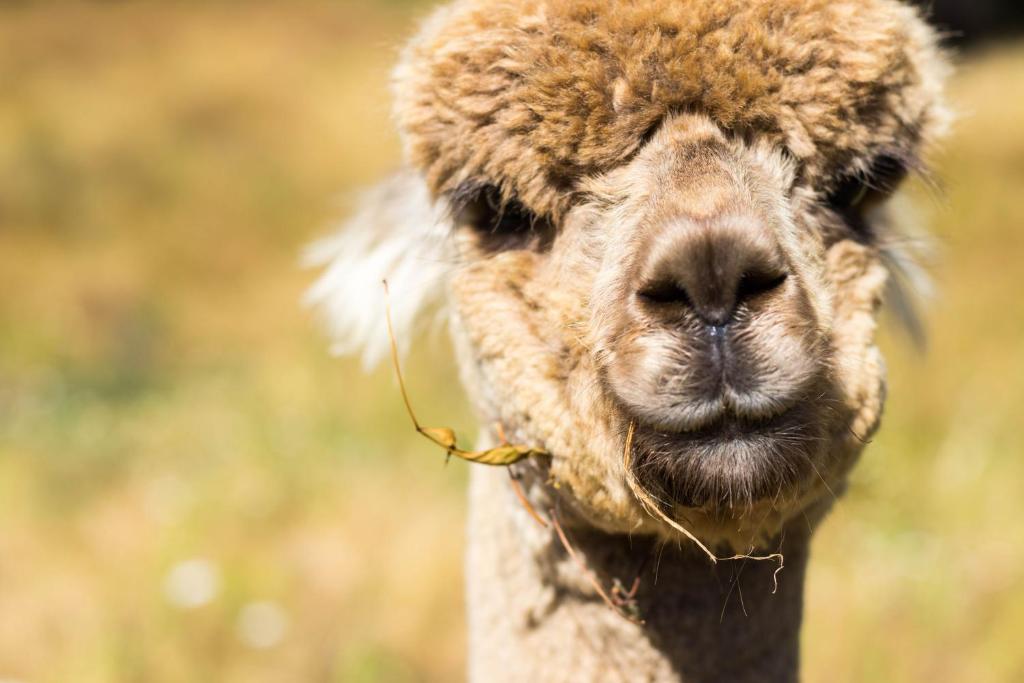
x=399 y=234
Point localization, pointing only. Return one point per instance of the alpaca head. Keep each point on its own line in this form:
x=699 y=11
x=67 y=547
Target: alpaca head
x=671 y=214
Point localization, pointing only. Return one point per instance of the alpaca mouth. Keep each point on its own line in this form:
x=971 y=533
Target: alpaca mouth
x=730 y=462
x=727 y=415
x=730 y=425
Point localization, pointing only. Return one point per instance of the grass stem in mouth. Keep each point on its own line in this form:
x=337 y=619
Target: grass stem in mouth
x=648 y=502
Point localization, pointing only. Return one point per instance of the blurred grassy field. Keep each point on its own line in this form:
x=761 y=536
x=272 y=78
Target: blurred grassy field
x=170 y=420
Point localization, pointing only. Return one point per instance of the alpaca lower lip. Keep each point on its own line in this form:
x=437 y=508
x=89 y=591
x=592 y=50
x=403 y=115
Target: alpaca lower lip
x=730 y=461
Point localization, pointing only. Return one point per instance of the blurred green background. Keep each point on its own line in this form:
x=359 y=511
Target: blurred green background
x=191 y=489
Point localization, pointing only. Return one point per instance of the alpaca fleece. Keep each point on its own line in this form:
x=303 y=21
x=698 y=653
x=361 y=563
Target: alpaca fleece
x=532 y=96
x=554 y=103
x=614 y=132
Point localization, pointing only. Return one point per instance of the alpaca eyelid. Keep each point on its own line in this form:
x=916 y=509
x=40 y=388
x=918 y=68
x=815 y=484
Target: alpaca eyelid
x=499 y=223
x=880 y=181
x=496 y=214
x=464 y=196
x=862 y=192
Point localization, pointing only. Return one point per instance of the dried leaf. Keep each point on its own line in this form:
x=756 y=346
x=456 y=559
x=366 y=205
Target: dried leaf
x=502 y=455
x=442 y=436
x=505 y=454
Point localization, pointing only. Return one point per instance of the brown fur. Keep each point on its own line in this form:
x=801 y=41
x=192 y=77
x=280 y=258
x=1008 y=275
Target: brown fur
x=625 y=179
x=535 y=95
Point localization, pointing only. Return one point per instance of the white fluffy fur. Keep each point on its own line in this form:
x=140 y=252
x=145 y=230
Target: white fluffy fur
x=397 y=234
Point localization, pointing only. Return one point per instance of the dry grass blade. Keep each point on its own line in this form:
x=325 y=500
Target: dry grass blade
x=648 y=501
x=654 y=509
x=505 y=454
x=524 y=501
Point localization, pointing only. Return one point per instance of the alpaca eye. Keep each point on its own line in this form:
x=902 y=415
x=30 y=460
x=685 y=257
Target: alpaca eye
x=848 y=194
x=486 y=211
x=858 y=191
x=499 y=223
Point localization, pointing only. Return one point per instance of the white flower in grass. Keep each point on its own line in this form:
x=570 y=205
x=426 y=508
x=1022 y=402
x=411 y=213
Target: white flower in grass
x=192 y=583
x=262 y=624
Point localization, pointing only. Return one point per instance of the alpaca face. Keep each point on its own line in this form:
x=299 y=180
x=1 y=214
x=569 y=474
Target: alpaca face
x=697 y=293
x=711 y=317
x=672 y=215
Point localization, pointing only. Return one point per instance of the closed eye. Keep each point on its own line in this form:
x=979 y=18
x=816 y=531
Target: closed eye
x=857 y=191
x=854 y=194
x=498 y=223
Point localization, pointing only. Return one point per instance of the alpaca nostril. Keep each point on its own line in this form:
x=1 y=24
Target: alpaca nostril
x=709 y=270
x=665 y=293
x=752 y=284
x=717 y=311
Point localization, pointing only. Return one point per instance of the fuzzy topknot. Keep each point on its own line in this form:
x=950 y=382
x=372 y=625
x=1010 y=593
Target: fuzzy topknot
x=532 y=95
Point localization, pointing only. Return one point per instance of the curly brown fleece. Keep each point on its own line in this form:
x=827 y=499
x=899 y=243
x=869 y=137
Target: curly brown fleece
x=532 y=95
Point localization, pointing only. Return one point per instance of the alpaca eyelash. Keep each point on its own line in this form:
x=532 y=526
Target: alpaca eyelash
x=498 y=222
x=856 y=190
x=487 y=211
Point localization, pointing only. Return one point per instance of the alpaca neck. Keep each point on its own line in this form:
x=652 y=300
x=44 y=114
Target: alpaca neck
x=534 y=615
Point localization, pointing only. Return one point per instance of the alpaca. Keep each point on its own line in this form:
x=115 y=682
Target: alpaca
x=660 y=231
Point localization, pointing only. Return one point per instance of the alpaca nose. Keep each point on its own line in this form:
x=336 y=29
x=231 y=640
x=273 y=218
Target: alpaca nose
x=711 y=269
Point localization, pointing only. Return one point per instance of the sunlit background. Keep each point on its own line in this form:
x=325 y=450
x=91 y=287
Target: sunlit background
x=192 y=489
